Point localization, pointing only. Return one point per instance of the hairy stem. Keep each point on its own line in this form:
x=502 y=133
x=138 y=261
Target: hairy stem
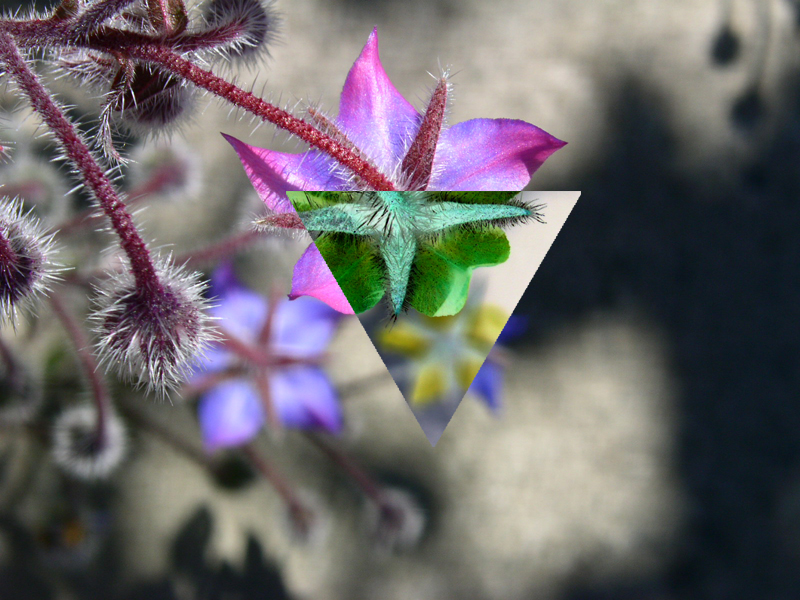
x=362 y=479
x=264 y=110
x=79 y=155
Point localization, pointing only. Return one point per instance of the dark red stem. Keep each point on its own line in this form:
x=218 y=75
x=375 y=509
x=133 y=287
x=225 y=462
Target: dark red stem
x=370 y=488
x=264 y=110
x=299 y=512
x=102 y=400
x=77 y=151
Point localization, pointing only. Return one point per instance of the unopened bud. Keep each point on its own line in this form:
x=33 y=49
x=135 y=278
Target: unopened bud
x=258 y=21
x=397 y=522
x=26 y=267
x=152 y=336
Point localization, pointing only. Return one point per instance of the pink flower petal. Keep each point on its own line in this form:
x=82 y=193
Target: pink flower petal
x=312 y=277
x=490 y=155
x=373 y=114
x=275 y=173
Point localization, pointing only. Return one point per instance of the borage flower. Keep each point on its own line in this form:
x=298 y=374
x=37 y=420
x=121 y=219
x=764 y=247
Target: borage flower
x=268 y=364
x=443 y=357
x=413 y=151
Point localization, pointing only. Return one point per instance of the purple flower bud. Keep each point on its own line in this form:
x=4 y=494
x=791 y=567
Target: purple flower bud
x=26 y=268
x=81 y=450
x=152 y=99
x=151 y=336
x=257 y=20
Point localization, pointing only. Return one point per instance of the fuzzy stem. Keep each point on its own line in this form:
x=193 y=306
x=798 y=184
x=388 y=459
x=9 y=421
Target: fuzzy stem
x=76 y=150
x=162 y=178
x=102 y=400
x=222 y=249
x=301 y=515
x=368 y=485
x=266 y=111
x=47 y=33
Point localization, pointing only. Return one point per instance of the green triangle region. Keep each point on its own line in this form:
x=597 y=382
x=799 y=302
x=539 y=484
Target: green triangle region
x=434 y=278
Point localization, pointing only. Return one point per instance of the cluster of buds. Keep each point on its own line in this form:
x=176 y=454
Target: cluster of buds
x=148 y=98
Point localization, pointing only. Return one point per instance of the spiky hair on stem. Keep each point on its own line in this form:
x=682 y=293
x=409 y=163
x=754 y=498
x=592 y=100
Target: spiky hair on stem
x=84 y=451
x=26 y=266
x=152 y=336
x=257 y=21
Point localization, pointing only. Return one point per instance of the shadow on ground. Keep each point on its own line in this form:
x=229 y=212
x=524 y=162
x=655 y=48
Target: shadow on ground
x=720 y=272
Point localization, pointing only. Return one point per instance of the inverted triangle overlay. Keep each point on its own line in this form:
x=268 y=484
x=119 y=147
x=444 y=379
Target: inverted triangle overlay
x=434 y=278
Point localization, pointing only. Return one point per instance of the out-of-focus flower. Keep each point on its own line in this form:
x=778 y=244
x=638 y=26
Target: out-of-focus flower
x=414 y=151
x=83 y=450
x=272 y=353
x=488 y=383
x=444 y=356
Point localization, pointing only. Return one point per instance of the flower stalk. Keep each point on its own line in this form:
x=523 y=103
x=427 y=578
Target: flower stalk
x=79 y=155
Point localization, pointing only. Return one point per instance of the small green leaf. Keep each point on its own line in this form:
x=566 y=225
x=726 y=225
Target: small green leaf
x=307 y=201
x=476 y=197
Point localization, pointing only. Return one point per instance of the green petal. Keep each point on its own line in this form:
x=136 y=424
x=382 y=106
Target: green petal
x=476 y=197
x=356 y=266
x=443 y=268
x=304 y=201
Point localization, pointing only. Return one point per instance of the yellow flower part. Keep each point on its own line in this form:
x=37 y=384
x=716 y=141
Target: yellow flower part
x=443 y=354
x=467 y=369
x=486 y=323
x=431 y=384
x=404 y=338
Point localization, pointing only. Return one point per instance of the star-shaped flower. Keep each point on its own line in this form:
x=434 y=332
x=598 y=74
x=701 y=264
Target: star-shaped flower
x=445 y=356
x=412 y=150
x=420 y=248
x=268 y=363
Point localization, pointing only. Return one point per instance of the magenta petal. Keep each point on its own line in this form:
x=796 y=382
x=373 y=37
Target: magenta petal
x=373 y=114
x=312 y=277
x=230 y=414
x=490 y=155
x=275 y=173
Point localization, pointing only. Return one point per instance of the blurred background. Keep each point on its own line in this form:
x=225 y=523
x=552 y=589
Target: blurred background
x=648 y=447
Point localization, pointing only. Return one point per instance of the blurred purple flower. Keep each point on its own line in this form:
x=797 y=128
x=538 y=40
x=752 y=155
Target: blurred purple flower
x=488 y=383
x=414 y=151
x=282 y=345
